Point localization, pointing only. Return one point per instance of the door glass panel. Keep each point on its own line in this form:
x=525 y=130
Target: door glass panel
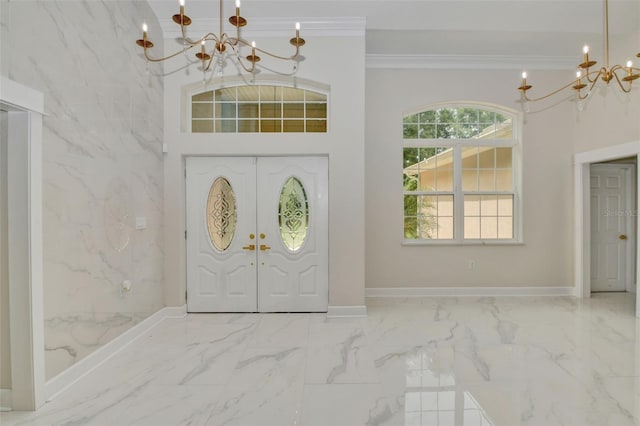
x=293 y=214
x=221 y=214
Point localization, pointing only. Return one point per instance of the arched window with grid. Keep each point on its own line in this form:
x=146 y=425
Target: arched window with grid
x=461 y=174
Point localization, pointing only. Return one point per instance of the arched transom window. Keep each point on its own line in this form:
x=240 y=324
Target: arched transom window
x=259 y=109
x=461 y=175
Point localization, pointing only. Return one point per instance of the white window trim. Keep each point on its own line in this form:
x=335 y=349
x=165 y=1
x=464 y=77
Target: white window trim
x=515 y=143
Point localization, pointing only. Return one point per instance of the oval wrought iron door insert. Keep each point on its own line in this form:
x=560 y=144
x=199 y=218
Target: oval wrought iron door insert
x=221 y=214
x=293 y=214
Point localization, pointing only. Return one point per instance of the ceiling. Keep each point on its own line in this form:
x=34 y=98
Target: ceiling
x=551 y=28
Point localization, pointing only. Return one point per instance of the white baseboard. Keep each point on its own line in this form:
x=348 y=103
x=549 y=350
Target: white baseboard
x=469 y=291
x=5 y=400
x=358 y=311
x=74 y=373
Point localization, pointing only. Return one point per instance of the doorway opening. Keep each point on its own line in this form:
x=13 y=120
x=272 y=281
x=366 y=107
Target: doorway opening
x=582 y=203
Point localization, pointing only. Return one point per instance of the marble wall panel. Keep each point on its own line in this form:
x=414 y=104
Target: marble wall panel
x=102 y=165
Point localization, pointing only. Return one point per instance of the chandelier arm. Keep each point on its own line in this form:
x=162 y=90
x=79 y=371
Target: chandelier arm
x=240 y=41
x=212 y=56
x=241 y=59
x=548 y=95
x=206 y=37
x=620 y=84
x=150 y=59
x=598 y=73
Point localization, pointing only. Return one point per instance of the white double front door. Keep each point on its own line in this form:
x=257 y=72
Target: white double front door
x=257 y=234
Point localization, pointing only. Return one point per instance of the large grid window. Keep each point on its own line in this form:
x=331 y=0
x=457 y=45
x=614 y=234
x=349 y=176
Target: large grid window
x=459 y=180
x=259 y=109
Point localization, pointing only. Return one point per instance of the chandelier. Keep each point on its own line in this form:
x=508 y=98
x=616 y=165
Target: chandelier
x=587 y=77
x=219 y=43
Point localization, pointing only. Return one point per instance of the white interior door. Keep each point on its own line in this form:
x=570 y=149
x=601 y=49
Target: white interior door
x=293 y=230
x=257 y=234
x=221 y=218
x=611 y=233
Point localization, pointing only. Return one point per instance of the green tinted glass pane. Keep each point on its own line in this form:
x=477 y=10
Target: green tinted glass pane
x=248 y=126
x=292 y=94
x=202 y=126
x=206 y=96
x=293 y=126
x=248 y=110
x=228 y=94
x=293 y=110
x=270 y=126
x=316 y=110
x=225 y=110
x=202 y=111
x=225 y=126
x=316 y=126
x=270 y=93
x=270 y=110
x=315 y=97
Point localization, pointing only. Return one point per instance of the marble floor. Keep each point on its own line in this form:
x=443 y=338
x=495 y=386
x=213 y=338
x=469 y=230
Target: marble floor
x=420 y=361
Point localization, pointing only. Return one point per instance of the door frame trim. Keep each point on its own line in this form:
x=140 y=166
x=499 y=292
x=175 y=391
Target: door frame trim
x=582 y=214
x=26 y=296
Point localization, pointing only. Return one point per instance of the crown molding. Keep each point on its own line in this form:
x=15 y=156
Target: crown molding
x=507 y=62
x=272 y=27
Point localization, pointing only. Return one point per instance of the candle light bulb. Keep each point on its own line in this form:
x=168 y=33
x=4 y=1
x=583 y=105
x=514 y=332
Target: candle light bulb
x=253 y=44
x=238 y=4
x=182 y=3
x=524 y=74
x=144 y=27
x=578 y=74
x=585 y=49
x=297 y=26
x=629 y=64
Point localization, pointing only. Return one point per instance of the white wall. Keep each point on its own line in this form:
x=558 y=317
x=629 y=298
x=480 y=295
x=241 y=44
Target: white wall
x=334 y=61
x=102 y=163
x=544 y=259
x=5 y=348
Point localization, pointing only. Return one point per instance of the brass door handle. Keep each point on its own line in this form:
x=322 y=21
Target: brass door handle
x=622 y=237
x=264 y=247
x=250 y=247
